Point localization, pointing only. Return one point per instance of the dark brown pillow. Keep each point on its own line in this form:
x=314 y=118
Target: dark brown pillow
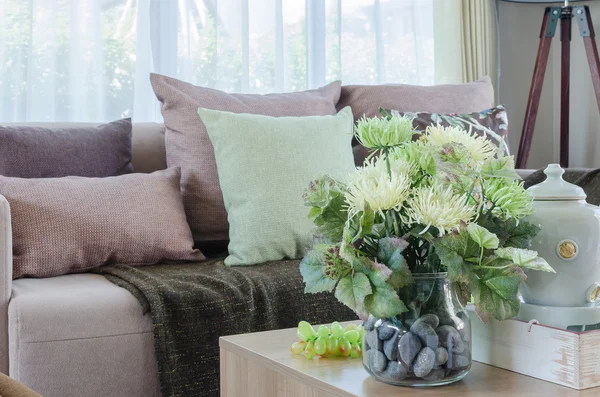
x=72 y=224
x=50 y=152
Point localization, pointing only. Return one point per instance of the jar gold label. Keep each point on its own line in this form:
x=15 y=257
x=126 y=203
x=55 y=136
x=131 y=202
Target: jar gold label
x=595 y=294
x=567 y=250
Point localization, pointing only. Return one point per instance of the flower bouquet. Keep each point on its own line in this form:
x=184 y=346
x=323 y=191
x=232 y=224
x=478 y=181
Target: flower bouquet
x=430 y=221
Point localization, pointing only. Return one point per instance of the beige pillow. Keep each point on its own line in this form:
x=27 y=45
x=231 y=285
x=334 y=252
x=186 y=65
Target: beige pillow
x=188 y=145
x=72 y=224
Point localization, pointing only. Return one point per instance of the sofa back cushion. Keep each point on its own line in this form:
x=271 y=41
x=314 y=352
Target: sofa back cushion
x=189 y=147
x=365 y=101
x=52 y=151
x=72 y=224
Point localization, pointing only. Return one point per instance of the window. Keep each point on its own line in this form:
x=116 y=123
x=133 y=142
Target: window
x=89 y=60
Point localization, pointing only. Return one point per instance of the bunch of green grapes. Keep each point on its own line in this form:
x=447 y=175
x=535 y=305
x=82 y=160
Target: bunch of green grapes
x=338 y=341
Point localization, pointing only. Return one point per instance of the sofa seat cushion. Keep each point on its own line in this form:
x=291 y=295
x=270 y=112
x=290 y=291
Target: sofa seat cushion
x=69 y=334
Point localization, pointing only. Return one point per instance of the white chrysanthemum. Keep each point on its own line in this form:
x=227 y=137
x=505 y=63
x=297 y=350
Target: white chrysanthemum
x=380 y=133
x=438 y=206
x=372 y=185
x=478 y=147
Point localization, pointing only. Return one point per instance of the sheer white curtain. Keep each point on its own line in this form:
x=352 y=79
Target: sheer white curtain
x=89 y=60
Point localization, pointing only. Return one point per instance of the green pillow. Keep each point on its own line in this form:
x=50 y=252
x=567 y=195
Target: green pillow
x=265 y=164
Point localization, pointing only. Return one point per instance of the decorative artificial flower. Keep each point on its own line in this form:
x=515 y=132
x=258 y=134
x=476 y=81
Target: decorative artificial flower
x=319 y=191
x=417 y=153
x=478 y=147
x=334 y=266
x=509 y=198
x=381 y=133
x=373 y=185
x=440 y=207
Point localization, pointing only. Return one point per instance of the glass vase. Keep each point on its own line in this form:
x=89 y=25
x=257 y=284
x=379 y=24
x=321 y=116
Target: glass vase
x=430 y=345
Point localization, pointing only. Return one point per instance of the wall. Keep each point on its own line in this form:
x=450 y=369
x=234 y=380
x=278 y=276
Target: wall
x=519 y=29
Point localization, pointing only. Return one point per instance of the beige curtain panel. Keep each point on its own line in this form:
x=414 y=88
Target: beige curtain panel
x=465 y=40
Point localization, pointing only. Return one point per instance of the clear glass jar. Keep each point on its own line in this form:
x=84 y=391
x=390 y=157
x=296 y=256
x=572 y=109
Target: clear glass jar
x=430 y=345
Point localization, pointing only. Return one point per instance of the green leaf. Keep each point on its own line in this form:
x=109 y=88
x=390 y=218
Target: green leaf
x=496 y=293
x=384 y=302
x=522 y=235
x=312 y=274
x=509 y=232
x=453 y=251
x=314 y=212
x=463 y=290
x=539 y=264
x=390 y=252
x=352 y=291
x=525 y=258
x=330 y=223
x=517 y=255
x=483 y=237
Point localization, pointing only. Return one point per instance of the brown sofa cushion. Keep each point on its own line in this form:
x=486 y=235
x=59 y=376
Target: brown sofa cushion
x=366 y=100
x=40 y=152
x=188 y=145
x=72 y=224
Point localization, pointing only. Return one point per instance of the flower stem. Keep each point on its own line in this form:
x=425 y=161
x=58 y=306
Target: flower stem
x=492 y=267
x=387 y=161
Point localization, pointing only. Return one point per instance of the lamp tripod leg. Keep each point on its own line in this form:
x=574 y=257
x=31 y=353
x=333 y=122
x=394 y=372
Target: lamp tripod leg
x=586 y=28
x=565 y=74
x=551 y=17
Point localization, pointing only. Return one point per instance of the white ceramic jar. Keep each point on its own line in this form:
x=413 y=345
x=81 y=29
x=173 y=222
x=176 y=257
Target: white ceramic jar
x=569 y=240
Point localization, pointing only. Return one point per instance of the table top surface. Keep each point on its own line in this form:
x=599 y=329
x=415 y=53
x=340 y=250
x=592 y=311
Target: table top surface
x=346 y=377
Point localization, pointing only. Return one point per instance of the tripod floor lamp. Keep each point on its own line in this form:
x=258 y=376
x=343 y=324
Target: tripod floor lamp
x=554 y=16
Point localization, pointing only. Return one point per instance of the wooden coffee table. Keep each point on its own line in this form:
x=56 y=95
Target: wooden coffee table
x=261 y=365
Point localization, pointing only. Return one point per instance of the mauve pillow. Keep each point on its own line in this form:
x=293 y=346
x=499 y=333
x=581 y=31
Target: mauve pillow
x=365 y=100
x=188 y=145
x=40 y=152
x=72 y=224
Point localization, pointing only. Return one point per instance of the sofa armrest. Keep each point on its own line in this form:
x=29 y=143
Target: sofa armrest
x=5 y=279
x=524 y=173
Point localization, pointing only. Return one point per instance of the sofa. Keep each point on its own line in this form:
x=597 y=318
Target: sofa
x=82 y=335
x=78 y=334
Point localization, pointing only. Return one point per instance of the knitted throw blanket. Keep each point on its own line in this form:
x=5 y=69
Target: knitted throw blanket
x=193 y=304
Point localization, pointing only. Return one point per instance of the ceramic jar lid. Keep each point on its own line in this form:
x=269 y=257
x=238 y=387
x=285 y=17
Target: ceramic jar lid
x=555 y=188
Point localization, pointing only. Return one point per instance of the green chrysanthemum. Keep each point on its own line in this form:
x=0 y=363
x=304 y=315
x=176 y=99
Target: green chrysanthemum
x=509 y=198
x=371 y=184
x=418 y=153
x=440 y=207
x=380 y=133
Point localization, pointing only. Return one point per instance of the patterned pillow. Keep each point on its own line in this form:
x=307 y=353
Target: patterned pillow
x=491 y=123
